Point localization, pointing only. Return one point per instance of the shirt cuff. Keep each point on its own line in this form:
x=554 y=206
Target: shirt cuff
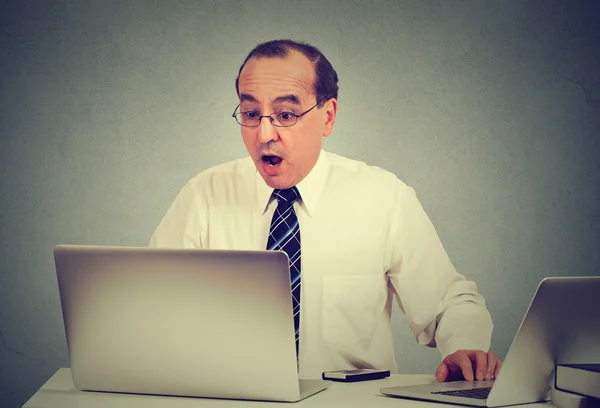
x=467 y=326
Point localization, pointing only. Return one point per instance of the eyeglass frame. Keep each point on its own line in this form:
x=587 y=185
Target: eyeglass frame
x=271 y=118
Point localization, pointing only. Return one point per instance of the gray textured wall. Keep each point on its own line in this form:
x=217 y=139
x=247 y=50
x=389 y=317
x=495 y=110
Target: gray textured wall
x=489 y=109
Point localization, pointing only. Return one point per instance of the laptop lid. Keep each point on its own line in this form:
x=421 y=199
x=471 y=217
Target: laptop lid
x=561 y=325
x=189 y=322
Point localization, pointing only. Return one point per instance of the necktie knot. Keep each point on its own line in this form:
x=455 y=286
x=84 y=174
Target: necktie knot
x=289 y=195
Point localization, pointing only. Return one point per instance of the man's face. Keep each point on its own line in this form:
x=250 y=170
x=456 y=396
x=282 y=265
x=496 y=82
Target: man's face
x=284 y=155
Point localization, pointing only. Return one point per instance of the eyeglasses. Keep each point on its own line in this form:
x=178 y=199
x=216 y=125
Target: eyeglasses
x=279 y=119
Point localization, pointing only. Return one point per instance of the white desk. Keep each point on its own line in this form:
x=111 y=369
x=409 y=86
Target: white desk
x=59 y=392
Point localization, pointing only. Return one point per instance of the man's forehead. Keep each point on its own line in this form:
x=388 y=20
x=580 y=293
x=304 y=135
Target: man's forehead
x=292 y=75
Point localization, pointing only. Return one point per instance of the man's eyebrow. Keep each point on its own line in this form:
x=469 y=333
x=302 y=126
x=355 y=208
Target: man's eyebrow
x=287 y=98
x=247 y=98
x=283 y=98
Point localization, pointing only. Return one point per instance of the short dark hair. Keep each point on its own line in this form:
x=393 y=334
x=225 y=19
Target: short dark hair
x=325 y=86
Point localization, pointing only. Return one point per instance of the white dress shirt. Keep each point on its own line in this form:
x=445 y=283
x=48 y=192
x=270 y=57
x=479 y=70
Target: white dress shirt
x=365 y=238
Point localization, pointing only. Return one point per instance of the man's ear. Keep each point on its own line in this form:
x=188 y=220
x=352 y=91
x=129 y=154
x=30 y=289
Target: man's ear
x=330 y=112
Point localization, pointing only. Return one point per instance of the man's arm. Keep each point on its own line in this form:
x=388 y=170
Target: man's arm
x=181 y=227
x=443 y=308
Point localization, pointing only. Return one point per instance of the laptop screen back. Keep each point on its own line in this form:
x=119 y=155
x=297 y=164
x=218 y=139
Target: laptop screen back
x=179 y=321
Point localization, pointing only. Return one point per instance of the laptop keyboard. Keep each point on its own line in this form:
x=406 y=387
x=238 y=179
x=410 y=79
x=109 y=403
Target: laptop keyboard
x=479 y=393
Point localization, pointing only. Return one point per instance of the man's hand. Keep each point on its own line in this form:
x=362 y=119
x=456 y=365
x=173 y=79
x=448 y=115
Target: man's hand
x=468 y=365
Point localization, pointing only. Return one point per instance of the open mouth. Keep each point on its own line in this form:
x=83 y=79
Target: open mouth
x=271 y=160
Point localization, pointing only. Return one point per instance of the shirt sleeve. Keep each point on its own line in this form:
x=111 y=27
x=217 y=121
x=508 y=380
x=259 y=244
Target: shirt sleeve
x=182 y=225
x=443 y=308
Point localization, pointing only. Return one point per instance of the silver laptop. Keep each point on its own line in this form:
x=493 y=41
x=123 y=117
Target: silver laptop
x=562 y=325
x=202 y=323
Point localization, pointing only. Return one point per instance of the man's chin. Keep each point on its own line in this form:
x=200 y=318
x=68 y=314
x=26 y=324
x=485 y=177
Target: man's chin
x=277 y=181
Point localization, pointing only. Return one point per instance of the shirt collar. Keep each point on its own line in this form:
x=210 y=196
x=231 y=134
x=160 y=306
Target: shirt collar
x=310 y=187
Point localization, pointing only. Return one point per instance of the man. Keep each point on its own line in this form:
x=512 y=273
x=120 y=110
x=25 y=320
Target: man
x=359 y=236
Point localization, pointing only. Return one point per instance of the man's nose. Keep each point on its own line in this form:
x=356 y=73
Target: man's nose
x=266 y=131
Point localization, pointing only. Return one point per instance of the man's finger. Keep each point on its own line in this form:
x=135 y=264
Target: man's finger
x=479 y=359
x=442 y=372
x=498 y=366
x=491 y=365
x=461 y=360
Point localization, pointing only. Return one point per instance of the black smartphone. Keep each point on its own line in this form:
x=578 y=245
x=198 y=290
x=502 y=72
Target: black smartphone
x=363 y=374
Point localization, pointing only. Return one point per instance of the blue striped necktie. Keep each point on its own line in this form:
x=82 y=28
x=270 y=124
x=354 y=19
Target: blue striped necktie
x=284 y=235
